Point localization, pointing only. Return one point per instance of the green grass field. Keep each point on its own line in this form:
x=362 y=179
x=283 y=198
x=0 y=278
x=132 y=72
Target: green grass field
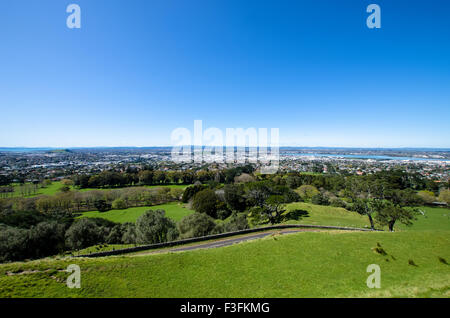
x=174 y=210
x=56 y=185
x=171 y=186
x=414 y=263
x=49 y=190
x=326 y=264
x=327 y=215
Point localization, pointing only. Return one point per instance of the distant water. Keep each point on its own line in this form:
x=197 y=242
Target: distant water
x=25 y=149
x=375 y=157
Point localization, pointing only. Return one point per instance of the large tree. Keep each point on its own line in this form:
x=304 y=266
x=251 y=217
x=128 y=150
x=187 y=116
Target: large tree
x=206 y=201
x=196 y=225
x=390 y=213
x=154 y=227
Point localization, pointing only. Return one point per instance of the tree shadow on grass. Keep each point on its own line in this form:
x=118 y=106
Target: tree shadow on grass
x=296 y=215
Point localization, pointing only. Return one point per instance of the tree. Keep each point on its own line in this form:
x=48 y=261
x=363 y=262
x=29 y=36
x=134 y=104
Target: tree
x=129 y=233
x=84 y=233
x=320 y=199
x=154 y=227
x=13 y=243
x=237 y=222
x=307 y=191
x=257 y=193
x=271 y=211
x=102 y=206
x=426 y=196
x=244 y=178
x=206 y=202
x=390 y=213
x=366 y=207
x=444 y=196
x=116 y=234
x=146 y=177
x=234 y=197
x=196 y=225
x=119 y=204
x=46 y=238
x=190 y=191
x=64 y=188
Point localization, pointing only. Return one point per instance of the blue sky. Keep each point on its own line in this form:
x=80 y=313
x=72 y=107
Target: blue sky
x=136 y=70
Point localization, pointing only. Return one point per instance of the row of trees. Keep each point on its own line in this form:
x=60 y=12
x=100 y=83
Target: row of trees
x=31 y=235
x=80 y=201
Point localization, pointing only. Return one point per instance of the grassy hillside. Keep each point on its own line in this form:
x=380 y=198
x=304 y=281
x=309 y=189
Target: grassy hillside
x=49 y=190
x=414 y=262
x=175 y=210
x=326 y=264
x=56 y=185
x=326 y=215
x=434 y=218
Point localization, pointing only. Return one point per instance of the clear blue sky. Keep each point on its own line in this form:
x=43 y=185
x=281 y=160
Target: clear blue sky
x=136 y=70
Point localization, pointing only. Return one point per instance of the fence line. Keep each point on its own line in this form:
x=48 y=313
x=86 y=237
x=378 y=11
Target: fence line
x=216 y=236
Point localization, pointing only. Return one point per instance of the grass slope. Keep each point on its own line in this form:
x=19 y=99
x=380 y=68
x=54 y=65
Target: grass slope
x=56 y=186
x=49 y=190
x=326 y=264
x=176 y=211
x=327 y=215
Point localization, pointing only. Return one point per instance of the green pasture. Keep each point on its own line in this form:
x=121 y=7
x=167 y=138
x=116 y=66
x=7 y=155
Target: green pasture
x=174 y=210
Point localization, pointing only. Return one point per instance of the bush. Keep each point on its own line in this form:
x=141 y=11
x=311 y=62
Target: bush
x=84 y=233
x=129 y=233
x=320 y=199
x=444 y=196
x=237 y=222
x=206 y=202
x=102 y=206
x=13 y=244
x=190 y=191
x=119 y=204
x=116 y=234
x=234 y=197
x=45 y=239
x=196 y=225
x=426 y=196
x=336 y=202
x=154 y=227
x=306 y=192
x=21 y=219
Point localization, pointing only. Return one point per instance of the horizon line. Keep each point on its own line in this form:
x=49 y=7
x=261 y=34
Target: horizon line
x=170 y=146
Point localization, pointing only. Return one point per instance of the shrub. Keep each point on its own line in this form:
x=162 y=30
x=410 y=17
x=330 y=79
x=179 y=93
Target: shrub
x=237 y=222
x=102 y=206
x=154 y=227
x=336 y=202
x=190 y=191
x=244 y=178
x=196 y=225
x=234 y=197
x=206 y=202
x=444 y=196
x=306 y=191
x=119 y=204
x=45 y=239
x=84 y=233
x=426 y=196
x=320 y=199
x=116 y=234
x=13 y=244
x=129 y=233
